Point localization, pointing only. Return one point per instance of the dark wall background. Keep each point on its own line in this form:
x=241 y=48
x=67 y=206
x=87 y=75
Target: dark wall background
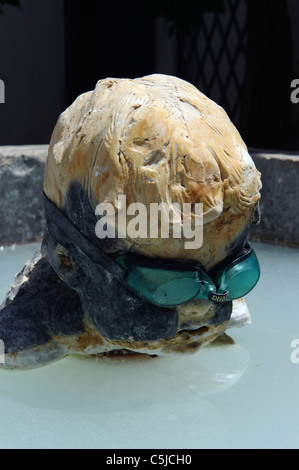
x=104 y=40
x=241 y=53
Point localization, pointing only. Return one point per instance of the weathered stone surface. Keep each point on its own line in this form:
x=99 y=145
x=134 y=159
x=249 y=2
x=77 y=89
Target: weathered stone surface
x=153 y=139
x=38 y=309
x=279 y=198
x=21 y=182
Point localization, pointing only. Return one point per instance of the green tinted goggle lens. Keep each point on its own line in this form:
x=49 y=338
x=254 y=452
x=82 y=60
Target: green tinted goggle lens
x=182 y=281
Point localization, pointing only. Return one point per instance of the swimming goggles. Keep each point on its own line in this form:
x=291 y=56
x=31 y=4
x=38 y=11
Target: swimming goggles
x=165 y=282
x=173 y=282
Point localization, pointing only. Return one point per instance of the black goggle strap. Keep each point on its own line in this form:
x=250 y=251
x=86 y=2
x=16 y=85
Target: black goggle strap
x=61 y=228
x=135 y=259
x=232 y=260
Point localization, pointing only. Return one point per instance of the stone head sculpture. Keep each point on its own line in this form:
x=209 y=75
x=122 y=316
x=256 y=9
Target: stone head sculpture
x=132 y=143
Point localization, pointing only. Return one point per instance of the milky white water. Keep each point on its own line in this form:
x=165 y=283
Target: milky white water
x=241 y=395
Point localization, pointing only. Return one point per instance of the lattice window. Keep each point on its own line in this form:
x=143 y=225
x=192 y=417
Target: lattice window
x=213 y=56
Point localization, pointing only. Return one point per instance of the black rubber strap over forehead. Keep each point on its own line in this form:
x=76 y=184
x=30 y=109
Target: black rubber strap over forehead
x=135 y=259
x=67 y=230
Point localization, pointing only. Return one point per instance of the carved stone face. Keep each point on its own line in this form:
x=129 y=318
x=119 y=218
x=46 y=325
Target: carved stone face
x=152 y=139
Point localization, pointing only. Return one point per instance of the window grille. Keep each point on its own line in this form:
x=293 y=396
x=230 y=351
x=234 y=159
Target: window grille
x=213 y=56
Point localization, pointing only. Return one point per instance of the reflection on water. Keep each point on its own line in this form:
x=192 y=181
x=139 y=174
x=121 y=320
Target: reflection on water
x=117 y=385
